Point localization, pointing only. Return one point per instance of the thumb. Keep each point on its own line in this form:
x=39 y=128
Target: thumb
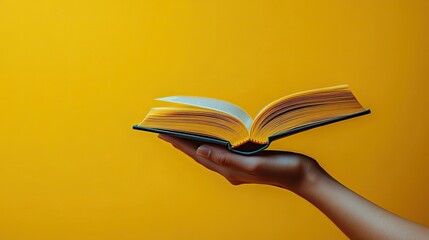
x=226 y=158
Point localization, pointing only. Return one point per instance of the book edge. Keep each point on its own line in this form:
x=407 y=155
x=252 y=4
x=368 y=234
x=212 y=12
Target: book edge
x=317 y=124
x=183 y=135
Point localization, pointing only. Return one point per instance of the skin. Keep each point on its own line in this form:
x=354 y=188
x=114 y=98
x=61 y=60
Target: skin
x=357 y=217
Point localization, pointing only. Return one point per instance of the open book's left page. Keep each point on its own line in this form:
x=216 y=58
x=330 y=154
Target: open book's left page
x=213 y=104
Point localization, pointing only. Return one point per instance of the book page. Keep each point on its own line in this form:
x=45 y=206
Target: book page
x=213 y=104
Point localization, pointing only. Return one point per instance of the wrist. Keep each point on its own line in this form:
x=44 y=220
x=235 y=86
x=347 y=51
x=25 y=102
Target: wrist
x=313 y=177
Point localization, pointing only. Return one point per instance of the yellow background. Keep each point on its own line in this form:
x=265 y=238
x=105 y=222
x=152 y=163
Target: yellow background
x=76 y=75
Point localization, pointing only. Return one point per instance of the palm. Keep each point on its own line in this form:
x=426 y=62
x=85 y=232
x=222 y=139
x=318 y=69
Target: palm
x=283 y=169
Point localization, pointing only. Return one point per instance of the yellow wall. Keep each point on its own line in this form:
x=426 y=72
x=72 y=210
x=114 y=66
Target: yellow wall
x=76 y=75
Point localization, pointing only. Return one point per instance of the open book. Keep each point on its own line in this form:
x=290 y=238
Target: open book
x=216 y=121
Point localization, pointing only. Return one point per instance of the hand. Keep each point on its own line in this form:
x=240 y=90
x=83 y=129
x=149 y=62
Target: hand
x=357 y=217
x=282 y=169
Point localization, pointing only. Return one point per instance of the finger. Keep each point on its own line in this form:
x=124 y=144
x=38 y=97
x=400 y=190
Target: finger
x=228 y=159
x=235 y=182
x=189 y=148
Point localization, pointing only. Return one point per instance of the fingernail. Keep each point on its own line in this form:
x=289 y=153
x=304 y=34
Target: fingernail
x=203 y=151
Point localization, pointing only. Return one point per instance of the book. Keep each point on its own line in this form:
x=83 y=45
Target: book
x=220 y=122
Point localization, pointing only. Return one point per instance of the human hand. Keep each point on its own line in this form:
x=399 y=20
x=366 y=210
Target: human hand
x=357 y=217
x=282 y=169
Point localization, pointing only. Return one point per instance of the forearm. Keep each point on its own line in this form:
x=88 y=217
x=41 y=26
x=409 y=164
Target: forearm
x=357 y=217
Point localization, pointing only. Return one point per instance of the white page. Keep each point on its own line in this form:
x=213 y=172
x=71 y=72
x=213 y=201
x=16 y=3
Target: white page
x=213 y=104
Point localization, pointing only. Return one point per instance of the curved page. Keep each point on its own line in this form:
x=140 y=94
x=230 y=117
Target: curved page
x=213 y=104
